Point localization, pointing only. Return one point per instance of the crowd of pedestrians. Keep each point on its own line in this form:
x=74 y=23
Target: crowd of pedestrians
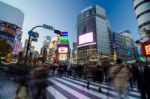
x=120 y=76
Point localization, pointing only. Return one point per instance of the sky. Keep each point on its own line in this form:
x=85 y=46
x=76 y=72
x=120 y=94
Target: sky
x=62 y=15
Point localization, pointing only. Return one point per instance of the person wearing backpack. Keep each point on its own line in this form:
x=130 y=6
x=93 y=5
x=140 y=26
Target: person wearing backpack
x=120 y=74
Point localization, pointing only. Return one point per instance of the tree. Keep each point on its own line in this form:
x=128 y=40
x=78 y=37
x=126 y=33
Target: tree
x=5 y=48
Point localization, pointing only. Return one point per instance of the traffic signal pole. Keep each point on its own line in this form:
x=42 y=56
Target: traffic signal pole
x=29 y=44
x=29 y=38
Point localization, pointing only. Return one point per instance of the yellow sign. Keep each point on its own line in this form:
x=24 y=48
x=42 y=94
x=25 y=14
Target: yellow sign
x=8 y=58
x=54 y=40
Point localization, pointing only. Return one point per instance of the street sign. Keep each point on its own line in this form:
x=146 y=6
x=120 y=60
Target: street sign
x=30 y=33
x=48 y=27
x=48 y=38
x=34 y=39
x=35 y=35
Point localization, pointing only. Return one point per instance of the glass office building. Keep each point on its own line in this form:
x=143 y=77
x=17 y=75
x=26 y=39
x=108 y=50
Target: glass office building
x=93 y=34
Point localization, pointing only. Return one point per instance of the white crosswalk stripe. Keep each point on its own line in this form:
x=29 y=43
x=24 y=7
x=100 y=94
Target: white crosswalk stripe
x=135 y=87
x=66 y=88
x=95 y=87
x=85 y=89
x=79 y=95
x=56 y=93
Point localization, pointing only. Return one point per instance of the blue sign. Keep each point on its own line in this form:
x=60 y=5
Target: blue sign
x=35 y=35
x=48 y=38
x=7 y=36
x=64 y=33
x=30 y=33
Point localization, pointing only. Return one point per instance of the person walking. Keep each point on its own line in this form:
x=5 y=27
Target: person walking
x=39 y=83
x=98 y=75
x=142 y=74
x=119 y=76
x=88 y=74
x=105 y=66
x=22 y=89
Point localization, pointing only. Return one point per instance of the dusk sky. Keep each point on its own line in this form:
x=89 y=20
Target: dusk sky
x=62 y=15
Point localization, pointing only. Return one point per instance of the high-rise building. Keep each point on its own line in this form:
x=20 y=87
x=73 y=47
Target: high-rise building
x=130 y=45
x=93 y=34
x=124 y=46
x=142 y=11
x=119 y=46
x=74 y=53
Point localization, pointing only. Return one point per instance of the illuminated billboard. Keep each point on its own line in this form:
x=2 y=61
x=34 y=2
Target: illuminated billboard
x=53 y=41
x=86 y=38
x=62 y=57
x=63 y=50
x=147 y=49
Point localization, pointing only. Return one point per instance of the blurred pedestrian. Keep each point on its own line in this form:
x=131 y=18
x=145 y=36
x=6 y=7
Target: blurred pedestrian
x=105 y=66
x=142 y=74
x=53 y=69
x=22 y=91
x=119 y=76
x=69 y=70
x=88 y=74
x=39 y=83
x=98 y=75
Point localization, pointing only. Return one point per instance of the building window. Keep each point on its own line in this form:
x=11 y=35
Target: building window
x=144 y=1
x=144 y=24
x=144 y=12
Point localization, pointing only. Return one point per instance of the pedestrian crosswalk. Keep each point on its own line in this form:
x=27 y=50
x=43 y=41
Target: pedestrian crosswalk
x=71 y=88
x=7 y=88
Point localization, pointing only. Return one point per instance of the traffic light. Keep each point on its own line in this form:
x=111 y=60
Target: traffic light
x=57 y=32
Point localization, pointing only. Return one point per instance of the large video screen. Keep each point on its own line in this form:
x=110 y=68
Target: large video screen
x=86 y=38
x=63 y=50
x=54 y=40
x=147 y=49
x=62 y=57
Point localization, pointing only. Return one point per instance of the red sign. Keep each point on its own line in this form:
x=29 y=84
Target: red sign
x=145 y=46
x=63 y=50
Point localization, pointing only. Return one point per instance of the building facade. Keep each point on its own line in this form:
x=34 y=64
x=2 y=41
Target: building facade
x=130 y=45
x=124 y=46
x=11 y=22
x=74 y=53
x=142 y=11
x=119 y=45
x=93 y=34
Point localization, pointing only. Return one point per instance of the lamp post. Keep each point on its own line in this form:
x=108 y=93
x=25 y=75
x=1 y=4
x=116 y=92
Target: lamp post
x=35 y=35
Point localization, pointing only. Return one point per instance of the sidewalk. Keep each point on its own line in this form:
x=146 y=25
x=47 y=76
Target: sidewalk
x=7 y=88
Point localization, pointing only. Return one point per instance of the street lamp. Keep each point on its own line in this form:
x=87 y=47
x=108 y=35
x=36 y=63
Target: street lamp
x=35 y=35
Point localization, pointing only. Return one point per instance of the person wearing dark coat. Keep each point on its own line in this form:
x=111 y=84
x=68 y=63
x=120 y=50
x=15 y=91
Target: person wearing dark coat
x=142 y=76
x=98 y=75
